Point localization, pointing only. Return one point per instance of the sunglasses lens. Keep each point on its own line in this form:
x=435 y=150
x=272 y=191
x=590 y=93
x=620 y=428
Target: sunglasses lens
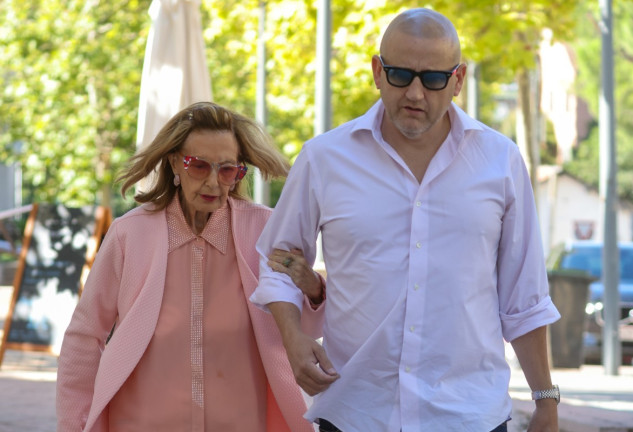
x=227 y=174
x=435 y=80
x=399 y=77
x=198 y=169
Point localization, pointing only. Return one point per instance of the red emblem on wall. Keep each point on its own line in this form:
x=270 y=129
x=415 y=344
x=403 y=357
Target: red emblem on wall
x=583 y=230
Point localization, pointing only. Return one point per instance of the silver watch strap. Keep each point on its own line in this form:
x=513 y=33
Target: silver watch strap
x=553 y=393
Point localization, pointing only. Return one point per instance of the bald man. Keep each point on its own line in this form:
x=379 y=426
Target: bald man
x=432 y=250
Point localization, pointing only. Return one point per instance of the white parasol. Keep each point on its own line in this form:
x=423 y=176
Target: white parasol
x=175 y=72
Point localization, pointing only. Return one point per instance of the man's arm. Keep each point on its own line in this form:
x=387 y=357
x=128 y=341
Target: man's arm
x=531 y=350
x=312 y=369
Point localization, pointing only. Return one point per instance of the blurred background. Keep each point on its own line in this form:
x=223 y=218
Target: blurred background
x=83 y=84
x=71 y=79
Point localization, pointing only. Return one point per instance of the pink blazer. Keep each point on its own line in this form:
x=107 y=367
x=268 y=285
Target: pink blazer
x=126 y=285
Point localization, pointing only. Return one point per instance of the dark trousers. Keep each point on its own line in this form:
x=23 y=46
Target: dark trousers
x=326 y=426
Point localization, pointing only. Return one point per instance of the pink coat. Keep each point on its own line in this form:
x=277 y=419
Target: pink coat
x=126 y=284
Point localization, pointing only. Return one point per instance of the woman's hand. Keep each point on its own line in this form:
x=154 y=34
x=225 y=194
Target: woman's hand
x=294 y=265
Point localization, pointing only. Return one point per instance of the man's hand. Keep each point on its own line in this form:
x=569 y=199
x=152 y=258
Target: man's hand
x=311 y=367
x=544 y=417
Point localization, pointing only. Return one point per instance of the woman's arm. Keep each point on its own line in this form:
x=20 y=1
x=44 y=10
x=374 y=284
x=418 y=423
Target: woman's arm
x=86 y=335
x=300 y=271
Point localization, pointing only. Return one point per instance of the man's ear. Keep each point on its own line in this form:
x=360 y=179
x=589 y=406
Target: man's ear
x=376 y=68
x=461 y=77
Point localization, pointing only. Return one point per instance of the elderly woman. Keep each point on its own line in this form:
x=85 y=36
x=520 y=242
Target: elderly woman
x=163 y=337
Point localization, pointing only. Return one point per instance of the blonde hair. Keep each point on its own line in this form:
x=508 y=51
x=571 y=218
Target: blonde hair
x=256 y=148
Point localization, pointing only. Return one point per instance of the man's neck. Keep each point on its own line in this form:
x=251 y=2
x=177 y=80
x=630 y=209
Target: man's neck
x=417 y=152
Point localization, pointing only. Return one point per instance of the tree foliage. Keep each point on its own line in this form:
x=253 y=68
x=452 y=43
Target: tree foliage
x=588 y=50
x=71 y=72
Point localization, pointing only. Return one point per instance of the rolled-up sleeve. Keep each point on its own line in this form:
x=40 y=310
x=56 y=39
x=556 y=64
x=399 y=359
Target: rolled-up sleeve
x=524 y=300
x=293 y=224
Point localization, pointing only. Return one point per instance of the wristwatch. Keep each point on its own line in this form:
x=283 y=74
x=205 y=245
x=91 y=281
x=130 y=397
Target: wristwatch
x=553 y=393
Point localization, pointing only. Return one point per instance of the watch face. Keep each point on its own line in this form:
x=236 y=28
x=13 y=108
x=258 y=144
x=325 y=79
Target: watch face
x=557 y=393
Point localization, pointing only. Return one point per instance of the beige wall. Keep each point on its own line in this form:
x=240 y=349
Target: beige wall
x=569 y=210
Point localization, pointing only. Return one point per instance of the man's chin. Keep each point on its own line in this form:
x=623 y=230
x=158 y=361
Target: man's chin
x=411 y=132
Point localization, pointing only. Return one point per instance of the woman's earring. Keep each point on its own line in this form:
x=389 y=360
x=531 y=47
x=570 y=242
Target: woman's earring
x=177 y=180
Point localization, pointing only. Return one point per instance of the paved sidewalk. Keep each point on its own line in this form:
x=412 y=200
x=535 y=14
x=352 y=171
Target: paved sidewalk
x=27 y=384
x=27 y=392
x=590 y=400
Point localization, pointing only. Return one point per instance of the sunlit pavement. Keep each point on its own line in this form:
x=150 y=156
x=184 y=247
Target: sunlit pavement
x=590 y=400
x=27 y=392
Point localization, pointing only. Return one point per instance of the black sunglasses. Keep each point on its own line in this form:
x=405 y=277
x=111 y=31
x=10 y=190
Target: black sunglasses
x=432 y=80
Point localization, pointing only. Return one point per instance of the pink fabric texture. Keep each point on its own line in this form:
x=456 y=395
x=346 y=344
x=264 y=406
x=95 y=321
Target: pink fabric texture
x=126 y=285
x=204 y=338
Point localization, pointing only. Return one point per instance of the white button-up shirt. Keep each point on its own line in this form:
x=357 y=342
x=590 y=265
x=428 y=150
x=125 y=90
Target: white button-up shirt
x=424 y=280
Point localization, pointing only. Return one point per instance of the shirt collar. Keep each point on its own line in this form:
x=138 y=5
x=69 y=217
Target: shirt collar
x=216 y=232
x=372 y=119
x=461 y=122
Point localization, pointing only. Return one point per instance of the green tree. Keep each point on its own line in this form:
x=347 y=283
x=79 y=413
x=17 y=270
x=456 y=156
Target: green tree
x=506 y=37
x=71 y=79
x=70 y=73
x=502 y=36
x=588 y=48
x=231 y=35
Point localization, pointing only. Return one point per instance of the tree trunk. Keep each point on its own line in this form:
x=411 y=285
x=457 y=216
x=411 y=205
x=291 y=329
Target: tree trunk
x=527 y=125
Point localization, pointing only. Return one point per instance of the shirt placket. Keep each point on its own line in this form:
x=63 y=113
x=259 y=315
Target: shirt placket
x=197 y=374
x=412 y=342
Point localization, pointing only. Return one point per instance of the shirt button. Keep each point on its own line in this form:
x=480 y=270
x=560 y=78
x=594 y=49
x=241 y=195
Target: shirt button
x=416 y=287
x=418 y=245
x=418 y=203
x=407 y=369
x=411 y=329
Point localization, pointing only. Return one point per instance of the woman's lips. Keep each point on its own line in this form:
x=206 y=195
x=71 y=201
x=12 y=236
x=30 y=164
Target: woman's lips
x=209 y=198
